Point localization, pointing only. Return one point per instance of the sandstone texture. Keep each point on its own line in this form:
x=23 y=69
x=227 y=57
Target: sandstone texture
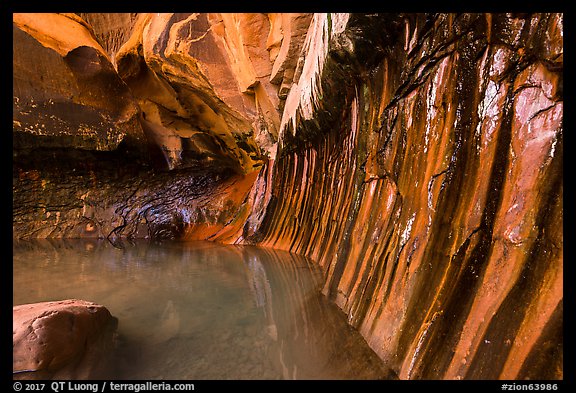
x=115 y=100
x=433 y=197
x=69 y=339
x=67 y=94
x=417 y=158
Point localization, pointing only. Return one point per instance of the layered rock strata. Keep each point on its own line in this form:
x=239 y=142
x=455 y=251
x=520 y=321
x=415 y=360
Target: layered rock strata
x=138 y=95
x=416 y=157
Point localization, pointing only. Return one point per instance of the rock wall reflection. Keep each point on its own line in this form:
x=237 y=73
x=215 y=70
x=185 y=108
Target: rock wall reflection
x=201 y=310
x=311 y=335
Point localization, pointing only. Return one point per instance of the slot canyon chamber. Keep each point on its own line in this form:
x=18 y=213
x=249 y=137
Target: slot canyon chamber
x=415 y=159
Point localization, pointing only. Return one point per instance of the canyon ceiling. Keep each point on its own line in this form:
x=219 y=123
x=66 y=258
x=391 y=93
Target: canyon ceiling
x=417 y=158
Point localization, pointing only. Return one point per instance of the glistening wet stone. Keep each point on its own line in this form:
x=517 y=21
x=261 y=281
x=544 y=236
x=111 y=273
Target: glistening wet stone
x=199 y=310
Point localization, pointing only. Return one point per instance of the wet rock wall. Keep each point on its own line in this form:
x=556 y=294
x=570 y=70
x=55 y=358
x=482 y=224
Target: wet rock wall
x=428 y=186
x=417 y=158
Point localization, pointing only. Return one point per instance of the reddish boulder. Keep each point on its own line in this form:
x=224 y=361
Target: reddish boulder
x=68 y=339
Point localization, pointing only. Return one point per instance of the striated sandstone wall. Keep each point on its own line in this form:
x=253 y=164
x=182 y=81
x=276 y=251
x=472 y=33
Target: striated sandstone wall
x=428 y=185
x=416 y=157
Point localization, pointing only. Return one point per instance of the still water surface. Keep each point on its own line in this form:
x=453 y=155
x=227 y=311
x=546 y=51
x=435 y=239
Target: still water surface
x=201 y=310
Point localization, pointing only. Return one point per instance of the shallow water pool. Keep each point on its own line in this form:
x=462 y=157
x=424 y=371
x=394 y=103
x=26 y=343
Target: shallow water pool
x=200 y=310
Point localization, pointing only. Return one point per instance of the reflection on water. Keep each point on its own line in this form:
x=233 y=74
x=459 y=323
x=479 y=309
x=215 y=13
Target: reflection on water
x=201 y=310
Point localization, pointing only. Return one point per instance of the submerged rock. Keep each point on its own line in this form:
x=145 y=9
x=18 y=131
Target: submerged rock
x=68 y=339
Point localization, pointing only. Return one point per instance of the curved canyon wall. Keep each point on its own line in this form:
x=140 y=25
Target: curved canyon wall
x=417 y=158
x=433 y=196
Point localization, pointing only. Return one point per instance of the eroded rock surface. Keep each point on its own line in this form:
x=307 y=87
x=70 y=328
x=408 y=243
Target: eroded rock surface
x=416 y=157
x=116 y=100
x=433 y=196
x=67 y=94
x=68 y=339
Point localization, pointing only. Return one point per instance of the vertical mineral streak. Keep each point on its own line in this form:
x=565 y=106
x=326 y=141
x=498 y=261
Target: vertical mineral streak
x=417 y=158
x=423 y=172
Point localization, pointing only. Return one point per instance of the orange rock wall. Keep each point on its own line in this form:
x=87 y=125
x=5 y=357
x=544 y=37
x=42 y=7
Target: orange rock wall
x=194 y=89
x=182 y=96
x=432 y=197
x=417 y=158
